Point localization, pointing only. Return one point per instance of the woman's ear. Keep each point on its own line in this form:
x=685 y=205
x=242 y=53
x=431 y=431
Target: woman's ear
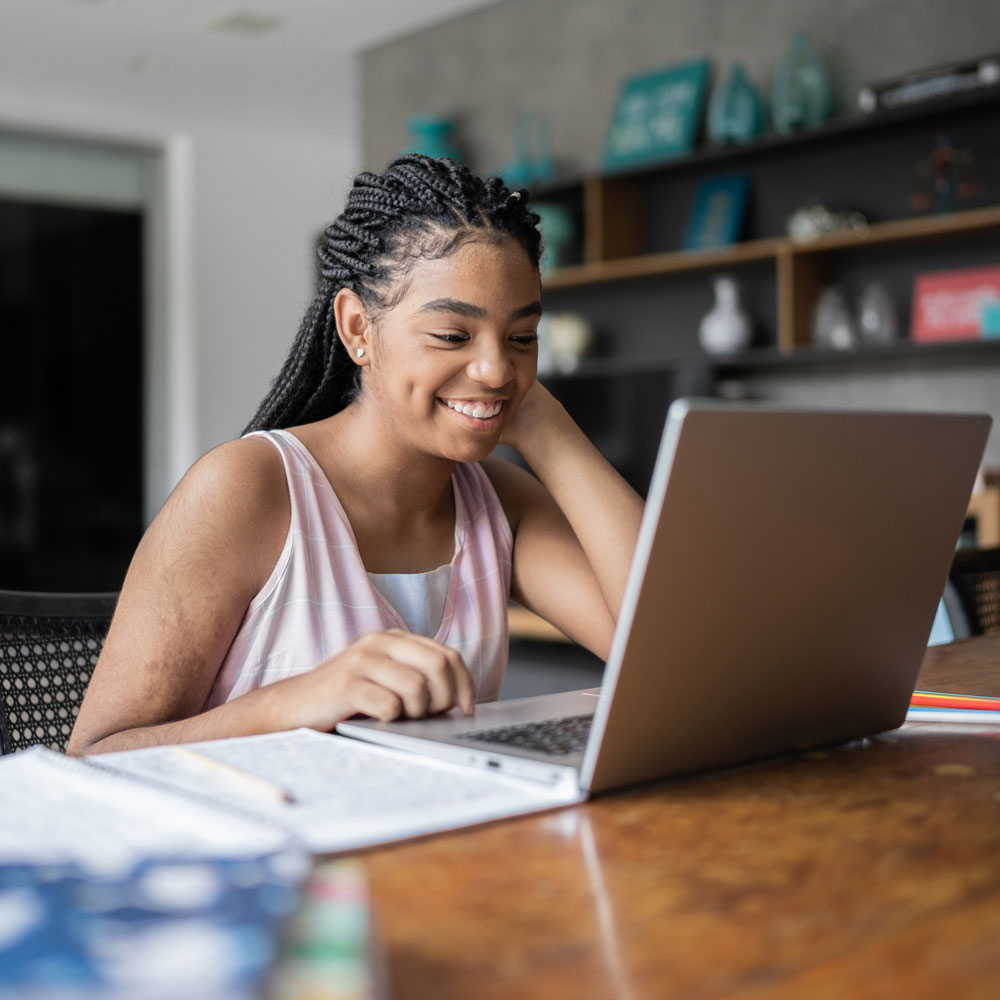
x=353 y=326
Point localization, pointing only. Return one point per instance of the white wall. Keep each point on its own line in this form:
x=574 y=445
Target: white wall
x=242 y=213
x=260 y=201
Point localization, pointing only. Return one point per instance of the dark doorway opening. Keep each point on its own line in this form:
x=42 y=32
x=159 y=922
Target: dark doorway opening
x=71 y=396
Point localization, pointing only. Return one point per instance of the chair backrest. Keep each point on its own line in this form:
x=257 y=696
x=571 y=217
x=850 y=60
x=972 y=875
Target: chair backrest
x=975 y=574
x=49 y=644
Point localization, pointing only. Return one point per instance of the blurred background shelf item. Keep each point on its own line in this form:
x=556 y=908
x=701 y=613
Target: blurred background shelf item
x=984 y=511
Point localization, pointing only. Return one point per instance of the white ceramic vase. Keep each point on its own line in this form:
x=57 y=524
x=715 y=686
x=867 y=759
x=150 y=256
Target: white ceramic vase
x=878 y=324
x=833 y=325
x=725 y=327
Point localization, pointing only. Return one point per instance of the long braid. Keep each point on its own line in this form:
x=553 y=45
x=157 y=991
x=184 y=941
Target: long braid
x=419 y=208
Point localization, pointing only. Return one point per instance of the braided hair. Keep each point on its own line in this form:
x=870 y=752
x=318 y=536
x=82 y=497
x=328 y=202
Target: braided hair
x=419 y=209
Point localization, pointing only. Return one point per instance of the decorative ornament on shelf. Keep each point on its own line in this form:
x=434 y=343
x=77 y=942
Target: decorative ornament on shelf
x=955 y=304
x=563 y=340
x=945 y=177
x=532 y=164
x=989 y=318
x=801 y=96
x=735 y=111
x=930 y=84
x=657 y=116
x=878 y=321
x=833 y=326
x=718 y=212
x=726 y=327
x=432 y=136
x=814 y=219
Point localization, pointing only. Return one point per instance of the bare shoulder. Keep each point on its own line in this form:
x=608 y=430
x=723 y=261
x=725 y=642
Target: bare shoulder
x=246 y=474
x=232 y=502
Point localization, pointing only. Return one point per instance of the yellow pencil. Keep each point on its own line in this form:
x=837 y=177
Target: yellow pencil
x=251 y=782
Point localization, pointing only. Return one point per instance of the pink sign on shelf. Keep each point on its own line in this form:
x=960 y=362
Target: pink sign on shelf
x=948 y=305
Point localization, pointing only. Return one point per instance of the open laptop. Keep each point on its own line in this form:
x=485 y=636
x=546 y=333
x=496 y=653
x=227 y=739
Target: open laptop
x=781 y=594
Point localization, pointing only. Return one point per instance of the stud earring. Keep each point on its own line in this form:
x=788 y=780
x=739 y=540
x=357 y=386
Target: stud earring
x=360 y=352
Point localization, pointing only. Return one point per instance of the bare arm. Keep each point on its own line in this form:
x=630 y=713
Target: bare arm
x=193 y=576
x=576 y=526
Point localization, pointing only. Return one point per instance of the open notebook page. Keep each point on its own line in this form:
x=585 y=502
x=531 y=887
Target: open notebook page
x=348 y=794
x=58 y=809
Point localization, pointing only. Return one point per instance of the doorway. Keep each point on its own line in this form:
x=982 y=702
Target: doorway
x=71 y=389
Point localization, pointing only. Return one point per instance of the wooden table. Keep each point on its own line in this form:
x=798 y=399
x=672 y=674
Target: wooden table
x=867 y=870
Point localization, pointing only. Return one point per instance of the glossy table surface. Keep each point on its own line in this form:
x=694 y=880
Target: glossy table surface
x=867 y=870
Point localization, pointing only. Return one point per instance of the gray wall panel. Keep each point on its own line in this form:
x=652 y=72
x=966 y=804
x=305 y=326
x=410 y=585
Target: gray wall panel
x=567 y=58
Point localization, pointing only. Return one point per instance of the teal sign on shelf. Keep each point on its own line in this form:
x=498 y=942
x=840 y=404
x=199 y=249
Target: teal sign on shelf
x=717 y=216
x=657 y=115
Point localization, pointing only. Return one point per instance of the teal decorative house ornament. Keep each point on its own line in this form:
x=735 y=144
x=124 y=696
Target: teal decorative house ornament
x=735 y=112
x=657 y=116
x=800 y=90
x=432 y=136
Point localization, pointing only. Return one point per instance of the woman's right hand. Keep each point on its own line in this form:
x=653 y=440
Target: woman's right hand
x=385 y=675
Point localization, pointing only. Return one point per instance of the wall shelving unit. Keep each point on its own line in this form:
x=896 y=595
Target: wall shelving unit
x=629 y=225
x=801 y=268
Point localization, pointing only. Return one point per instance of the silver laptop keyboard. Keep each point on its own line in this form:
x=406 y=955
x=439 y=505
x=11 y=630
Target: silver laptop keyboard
x=551 y=736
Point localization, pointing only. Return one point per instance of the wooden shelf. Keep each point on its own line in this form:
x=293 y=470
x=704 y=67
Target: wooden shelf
x=772 y=248
x=906 y=230
x=801 y=267
x=659 y=264
x=762 y=358
x=949 y=353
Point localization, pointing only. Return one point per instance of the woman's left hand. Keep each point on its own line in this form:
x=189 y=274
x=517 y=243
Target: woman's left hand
x=534 y=417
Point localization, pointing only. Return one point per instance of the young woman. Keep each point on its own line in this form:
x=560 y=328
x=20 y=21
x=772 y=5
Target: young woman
x=356 y=552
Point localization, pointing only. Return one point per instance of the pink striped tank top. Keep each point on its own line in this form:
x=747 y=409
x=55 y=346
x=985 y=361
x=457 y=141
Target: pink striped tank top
x=319 y=597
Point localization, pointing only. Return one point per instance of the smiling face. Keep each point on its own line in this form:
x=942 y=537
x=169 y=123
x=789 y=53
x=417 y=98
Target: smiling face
x=449 y=364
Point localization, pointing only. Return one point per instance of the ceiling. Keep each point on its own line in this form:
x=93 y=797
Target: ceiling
x=161 y=60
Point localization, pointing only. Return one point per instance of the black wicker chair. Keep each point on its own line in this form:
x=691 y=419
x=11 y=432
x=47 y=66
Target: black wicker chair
x=49 y=644
x=975 y=578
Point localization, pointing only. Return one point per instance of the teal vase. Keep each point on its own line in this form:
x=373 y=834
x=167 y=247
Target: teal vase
x=432 y=136
x=735 y=112
x=532 y=164
x=801 y=96
x=556 y=225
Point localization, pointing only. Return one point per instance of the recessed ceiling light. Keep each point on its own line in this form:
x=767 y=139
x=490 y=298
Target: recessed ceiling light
x=147 y=64
x=246 y=22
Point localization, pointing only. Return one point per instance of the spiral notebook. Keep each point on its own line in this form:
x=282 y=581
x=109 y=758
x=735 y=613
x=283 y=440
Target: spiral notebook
x=59 y=809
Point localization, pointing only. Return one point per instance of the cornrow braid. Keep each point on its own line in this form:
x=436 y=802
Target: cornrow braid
x=418 y=209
